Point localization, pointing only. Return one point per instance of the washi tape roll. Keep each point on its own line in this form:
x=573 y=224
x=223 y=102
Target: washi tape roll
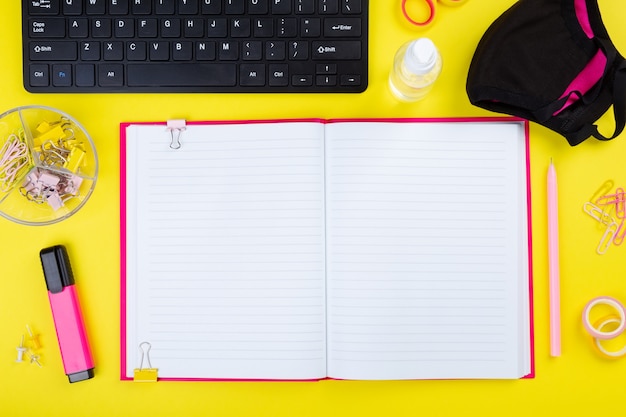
x=600 y=324
x=596 y=331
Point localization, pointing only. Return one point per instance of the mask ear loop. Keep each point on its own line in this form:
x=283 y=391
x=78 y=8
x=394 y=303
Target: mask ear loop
x=428 y=21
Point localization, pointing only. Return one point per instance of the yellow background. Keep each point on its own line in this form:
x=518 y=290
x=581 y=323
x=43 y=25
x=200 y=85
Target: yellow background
x=577 y=383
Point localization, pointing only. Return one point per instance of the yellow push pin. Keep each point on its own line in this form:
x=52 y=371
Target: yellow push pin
x=148 y=374
x=34 y=338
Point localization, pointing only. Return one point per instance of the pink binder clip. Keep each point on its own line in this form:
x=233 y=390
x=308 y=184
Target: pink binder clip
x=176 y=127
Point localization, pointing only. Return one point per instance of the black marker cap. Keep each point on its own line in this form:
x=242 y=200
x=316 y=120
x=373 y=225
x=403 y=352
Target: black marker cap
x=56 y=268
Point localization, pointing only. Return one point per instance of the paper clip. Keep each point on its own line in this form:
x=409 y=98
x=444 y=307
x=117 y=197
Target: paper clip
x=148 y=374
x=607 y=238
x=13 y=157
x=618 y=239
x=597 y=213
x=605 y=188
x=176 y=127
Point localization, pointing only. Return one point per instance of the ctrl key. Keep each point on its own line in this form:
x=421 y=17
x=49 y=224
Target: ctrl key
x=39 y=75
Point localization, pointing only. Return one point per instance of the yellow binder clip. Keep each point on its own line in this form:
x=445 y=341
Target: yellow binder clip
x=148 y=374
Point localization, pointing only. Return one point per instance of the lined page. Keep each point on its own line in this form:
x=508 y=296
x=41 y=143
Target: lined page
x=427 y=246
x=225 y=251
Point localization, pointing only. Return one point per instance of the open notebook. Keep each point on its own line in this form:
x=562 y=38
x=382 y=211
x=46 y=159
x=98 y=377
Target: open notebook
x=309 y=249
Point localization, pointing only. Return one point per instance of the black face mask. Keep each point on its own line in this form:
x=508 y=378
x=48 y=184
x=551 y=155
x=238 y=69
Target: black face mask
x=551 y=62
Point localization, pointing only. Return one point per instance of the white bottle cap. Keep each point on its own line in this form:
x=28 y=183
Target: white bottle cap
x=421 y=56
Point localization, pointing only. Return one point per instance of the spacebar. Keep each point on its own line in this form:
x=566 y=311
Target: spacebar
x=181 y=75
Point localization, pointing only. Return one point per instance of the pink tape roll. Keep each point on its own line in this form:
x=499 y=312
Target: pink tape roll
x=597 y=332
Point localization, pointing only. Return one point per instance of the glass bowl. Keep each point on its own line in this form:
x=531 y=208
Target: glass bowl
x=48 y=165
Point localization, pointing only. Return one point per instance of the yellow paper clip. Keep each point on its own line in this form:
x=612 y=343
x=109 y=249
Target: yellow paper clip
x=148 y=374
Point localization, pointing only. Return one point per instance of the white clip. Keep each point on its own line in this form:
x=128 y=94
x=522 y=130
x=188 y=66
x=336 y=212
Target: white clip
x=176 y=127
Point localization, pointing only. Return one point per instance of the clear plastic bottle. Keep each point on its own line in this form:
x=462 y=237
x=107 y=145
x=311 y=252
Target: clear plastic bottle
x=416 y=66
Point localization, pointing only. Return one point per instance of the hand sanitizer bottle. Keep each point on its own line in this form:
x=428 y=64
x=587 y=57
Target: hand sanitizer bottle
x=416 y=66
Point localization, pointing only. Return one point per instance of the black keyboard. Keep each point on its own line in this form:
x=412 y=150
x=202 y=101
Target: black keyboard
x=247 y=46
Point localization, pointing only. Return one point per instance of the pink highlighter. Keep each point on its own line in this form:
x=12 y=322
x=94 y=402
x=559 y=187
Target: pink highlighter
x=68 y=320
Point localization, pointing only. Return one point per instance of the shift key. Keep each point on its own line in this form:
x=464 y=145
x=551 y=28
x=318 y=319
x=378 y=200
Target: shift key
x=336 y=50
x=53 y=51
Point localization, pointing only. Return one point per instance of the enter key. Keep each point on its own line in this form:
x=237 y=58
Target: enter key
x=342 y=27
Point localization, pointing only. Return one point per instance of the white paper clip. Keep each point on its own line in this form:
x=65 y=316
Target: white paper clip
x=598 y=214
x=176 y=127
x=607 y=238
x=148 y=374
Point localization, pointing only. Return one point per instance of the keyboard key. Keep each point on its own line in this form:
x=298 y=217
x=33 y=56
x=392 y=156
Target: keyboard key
x=258 y=6
x=281 y=6
x=118 y=7
x=351 y=6
x=147 y=28
x=39 y=76
x=90 y=51
x=159 y=51
x=78 y=28
x=62 y=75
x=182 y=75
x=136 y=51
x=302 y=80
x=111 y=75
x=47 y=27
x=326 y=80
x=141 y=7
x=234 y=6
x=95 y=7
x=350 y=80
x=53 y=51
x=337 y=50
x=252 y=75
x=187 y=6
x=37 y=8
x=72 y=7
x=278 y=75
x=101 y=28
x=328 y=6
x=85 y=75
x=113 y=51
x=342 y=27
x=182 y=51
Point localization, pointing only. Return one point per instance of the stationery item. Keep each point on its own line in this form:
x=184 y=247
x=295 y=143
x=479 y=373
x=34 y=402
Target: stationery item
x=616 y=321
x=553 y=261
x=552 y=63
x=609 y=210
x=432 y=10
x=68 y=320
x=306 y=249
x=148 y=374
x=21 y=350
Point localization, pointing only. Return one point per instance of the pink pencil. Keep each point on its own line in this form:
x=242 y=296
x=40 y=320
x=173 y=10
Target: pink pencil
x=553 y=263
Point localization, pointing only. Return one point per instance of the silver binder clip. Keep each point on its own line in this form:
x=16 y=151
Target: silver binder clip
x=176 y=127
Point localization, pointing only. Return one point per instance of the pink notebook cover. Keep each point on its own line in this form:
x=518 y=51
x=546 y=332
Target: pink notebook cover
x=123 y=220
